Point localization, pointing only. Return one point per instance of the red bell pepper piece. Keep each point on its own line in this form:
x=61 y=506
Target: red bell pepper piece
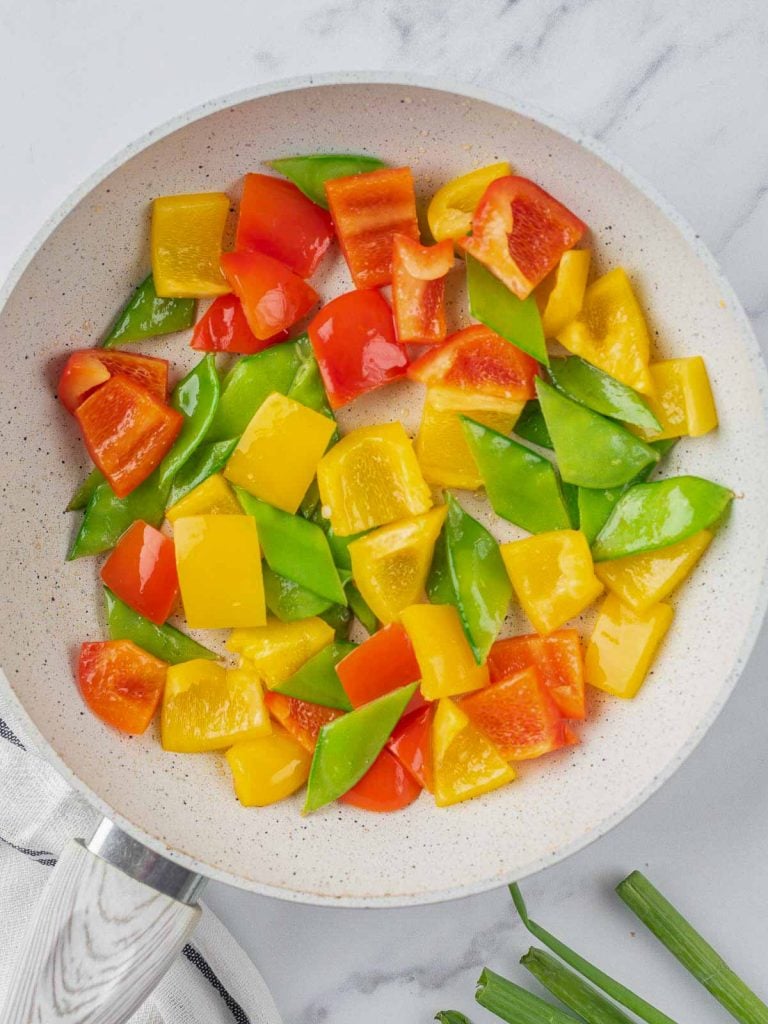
x=518 y=715
x=479 y=360
x=277 y=219
x=121 y=683
x=353 y=339
x=386 y=786
x=368 y=210
x=141 y=571
x=418 y=289
x=411 y=744
x=519 y=232
x=382 y=663
x=273 y=297
x=89 y=368
x=127 y=431
x=223 y=328
x=301 y=719
x=558 y=658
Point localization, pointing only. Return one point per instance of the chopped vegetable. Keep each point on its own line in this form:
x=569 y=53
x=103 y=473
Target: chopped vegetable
x=558 y=659
x=141 y=571
x=164 y=642
x=384 y=662
x=532 y=426
x=571 y=990
x=300 y=718
x=411 y=743
x=107 y=517
x=186 y=245
x=514 y=1004
x=120 y=683
x=279 y=649
x=385 y=787
x=85 y=491
x=288 y=600
x=465 y=763
x=450 y=210
x=307 y=386
x=418 y=289
x=560 y=295
x=682 y=399
x=146 y=315
x=197 y=397
x=592 y=387
x=310 y=173
x=643 y=580
x=88 y=369
x=623 y=645
x=210 y=498
x=204 y=462
x=493 y=304
x=317 y=681
x=267 y=769
x=445 y=659
x=272 y=296
x=224 y=328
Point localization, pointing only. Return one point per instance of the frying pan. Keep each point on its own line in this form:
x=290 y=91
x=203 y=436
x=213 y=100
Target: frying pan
x=115 y=912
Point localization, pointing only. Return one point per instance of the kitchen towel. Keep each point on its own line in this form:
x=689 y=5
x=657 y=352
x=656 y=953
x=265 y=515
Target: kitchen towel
x=212 y=982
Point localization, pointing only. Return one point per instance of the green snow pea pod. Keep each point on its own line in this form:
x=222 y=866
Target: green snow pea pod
x=289 y=600
x=165 y=642
x=571 y=499
x=196 y=396
x=362 y=612
x=348 y=746
x=307 y=386
x=339 y=618
x=84 y=492
x=522 y=486
x=310 y=173
x=468 y=572
x=493 y=304
x=655 y=515
x=584 y=383
x=295 y=548
x=207 y=459
x=316 y=681
x=531 y=425
x=146 y=315
x=591 y=451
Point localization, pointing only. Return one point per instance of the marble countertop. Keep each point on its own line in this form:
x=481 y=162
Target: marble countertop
x=680 y=92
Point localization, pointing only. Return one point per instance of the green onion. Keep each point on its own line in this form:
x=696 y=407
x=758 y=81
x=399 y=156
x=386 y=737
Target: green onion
x=452 y=1017
x=609 y=985
x=572 y=990
x=693 y=952
x=513 y=1004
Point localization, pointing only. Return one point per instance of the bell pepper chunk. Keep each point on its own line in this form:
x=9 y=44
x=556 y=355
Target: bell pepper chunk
x=204 y=463
x=354 y=342
x=623 y=645
x=267 y=769
x=382 y=663
x=411 y=743
x=164 y=642
x=218 y=559
x=465 y=763
x=301 y=719
x=418 y=289
x=390 y=565
x=522 y=486
x=317 y=681
x=368 y=210
x=384 y=788
x=310 y=173
x=142 y=572
x=518 y=715
x=611 y=333
x=682 y=399
x=120 y=683
x=560 y=295
x=586 y=384
x=224 y=328
x=277 y=219
x=450 y=209
x=278 y=649
x=371 y=478
x=558 y=658
x=277 y=456
x=213 y=497
x=147 y=315
x=641 y=581
x=272 y=296
x=553 y=577
x=88 y=369
x=520 y=232
x=446 y=661
x=127 y=431
x=516 y=320
x=208 y=707
x=186 y=237
x=477 y=359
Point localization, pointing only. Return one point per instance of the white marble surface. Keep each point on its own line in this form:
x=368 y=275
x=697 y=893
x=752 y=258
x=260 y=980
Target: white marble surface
x=680 y=91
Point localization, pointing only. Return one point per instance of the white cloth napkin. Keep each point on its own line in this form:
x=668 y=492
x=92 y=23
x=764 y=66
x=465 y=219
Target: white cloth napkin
x=212 y=982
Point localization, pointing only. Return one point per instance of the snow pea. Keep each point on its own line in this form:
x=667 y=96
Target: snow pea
x=339 y=618
x=571 y=499
x=206 y=460
x=348 y=746
x=307 y=384
x=468 y=572
x=655 y=515
x=146 y=315
x=594 y=388
x=493 y=304
x=316 y=681
x=521 y=485
x=310 y=173
x=289 y=600
x=165 y=642
x=531 y=425
x=591 y=451
x=196 y=396
x=362 y=612
x=84 y=492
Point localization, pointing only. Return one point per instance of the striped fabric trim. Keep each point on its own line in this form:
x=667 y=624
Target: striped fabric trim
x=7 y=733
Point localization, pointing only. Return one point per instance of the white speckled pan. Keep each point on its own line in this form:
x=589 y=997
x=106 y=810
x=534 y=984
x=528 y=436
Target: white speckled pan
x=63 y=296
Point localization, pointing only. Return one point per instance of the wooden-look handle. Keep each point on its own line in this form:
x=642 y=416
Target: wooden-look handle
x=98 y=944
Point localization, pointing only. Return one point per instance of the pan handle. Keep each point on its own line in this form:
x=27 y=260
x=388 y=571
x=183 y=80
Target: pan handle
x=111 y=920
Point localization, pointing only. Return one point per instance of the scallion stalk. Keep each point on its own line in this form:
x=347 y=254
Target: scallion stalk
x=452 y=1017
x=575 y=993
x=513 y=1004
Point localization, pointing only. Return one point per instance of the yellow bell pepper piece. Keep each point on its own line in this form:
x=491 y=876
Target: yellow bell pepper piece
x=445 y=658
x=370 y=478
x=450 y=210
x=186 y=245
x=553 y=576
x=268 y=769
x=610 y=331
x=623 y=644
x=464 y=762
x=560 y=295
x=213 y=497
x=207 y=707
x=441 y=445
x=682 y=399
x=277 y=456
x=278 y=649
x=218 y=560
x=644 y=580
x=390 y=565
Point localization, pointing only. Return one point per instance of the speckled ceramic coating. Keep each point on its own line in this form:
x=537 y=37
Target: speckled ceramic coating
x=78 y=277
